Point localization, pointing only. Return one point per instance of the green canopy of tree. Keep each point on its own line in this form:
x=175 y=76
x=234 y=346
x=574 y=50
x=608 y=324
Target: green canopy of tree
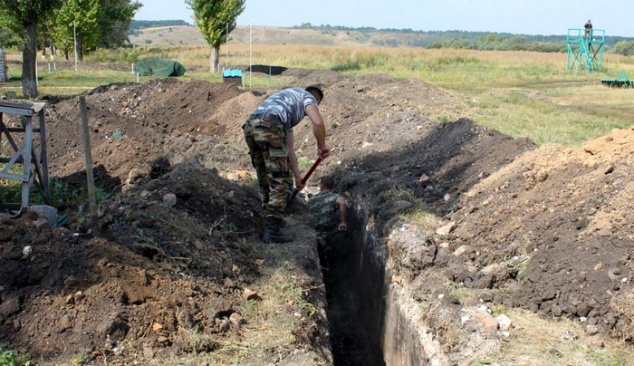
x=625 y=48
x=76 y=16
x=99 y=23
x=23 y=16
x=114 y=21
x=8 y=38
x=216 y=19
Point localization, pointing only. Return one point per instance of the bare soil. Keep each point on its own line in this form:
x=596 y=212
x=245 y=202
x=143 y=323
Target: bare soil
x=547 y=229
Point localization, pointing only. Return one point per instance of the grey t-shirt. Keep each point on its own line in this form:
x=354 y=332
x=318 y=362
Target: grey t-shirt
x=289 y=105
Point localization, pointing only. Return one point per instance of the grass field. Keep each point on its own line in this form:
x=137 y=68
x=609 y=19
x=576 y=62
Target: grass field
x=523 y=94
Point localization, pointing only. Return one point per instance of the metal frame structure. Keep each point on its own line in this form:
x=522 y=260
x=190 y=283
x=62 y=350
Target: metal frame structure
x=621 y=81
x=585 y=51
x=25 y=154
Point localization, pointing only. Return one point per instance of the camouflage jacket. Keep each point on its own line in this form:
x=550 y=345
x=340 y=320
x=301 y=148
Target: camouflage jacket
x=289 y=105
x=325 y=210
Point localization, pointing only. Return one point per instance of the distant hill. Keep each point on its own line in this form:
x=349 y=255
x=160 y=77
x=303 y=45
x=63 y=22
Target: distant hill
x=140 y=24
x=179 y=34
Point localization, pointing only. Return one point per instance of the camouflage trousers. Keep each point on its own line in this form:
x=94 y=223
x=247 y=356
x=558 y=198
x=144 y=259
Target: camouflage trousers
x=266 y=139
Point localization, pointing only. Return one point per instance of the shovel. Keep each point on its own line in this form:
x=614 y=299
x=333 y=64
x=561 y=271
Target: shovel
x=305 y=179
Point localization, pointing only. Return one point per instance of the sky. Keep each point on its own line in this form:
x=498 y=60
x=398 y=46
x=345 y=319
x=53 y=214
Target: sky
x=545 y=17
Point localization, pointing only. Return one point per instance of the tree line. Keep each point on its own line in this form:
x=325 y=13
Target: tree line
x=84 y=25
x=55 y=24
x=135 y=25
x=473 y=40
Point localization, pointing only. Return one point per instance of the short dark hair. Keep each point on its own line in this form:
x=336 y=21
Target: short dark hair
x=316 y=91
x=328 y=181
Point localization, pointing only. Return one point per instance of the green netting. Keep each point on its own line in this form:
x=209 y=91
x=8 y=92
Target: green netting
x=159 y=67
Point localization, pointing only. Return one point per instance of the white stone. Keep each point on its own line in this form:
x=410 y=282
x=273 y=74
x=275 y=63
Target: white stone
x=446 y=229
x=461 y=250
x=504 y=322
x=26 y=251
x=169 y=200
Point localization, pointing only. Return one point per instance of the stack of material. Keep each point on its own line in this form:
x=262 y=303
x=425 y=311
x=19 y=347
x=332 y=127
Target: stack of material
x=3 y=67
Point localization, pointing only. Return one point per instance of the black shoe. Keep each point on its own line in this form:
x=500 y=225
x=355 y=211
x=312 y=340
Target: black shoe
x=272 y=233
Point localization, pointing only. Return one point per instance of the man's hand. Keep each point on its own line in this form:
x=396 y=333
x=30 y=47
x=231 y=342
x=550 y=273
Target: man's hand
x=298 y=184
x=323 y=153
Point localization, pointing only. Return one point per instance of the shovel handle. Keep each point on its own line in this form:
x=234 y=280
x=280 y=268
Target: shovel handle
x=311 y=170
x=308 y=174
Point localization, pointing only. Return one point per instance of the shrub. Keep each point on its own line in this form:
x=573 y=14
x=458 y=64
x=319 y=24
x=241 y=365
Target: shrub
x=12 y=358
x=625 y=48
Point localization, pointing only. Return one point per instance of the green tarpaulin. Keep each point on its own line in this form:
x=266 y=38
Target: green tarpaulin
x=159 y=67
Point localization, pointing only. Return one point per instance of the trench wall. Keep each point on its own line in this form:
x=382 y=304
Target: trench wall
x=384 y=318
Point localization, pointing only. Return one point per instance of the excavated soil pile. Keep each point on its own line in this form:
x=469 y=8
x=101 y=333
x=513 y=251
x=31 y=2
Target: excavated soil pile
x=548 y=229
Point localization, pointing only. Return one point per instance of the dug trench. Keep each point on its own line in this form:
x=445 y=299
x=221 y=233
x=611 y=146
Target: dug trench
x=369 y=322
x=449 y=220
x=469 y=220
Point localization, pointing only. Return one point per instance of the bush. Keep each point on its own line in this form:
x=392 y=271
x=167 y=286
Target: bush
x=12 y=358
x=62 y=196
x=349 y=65
x=625 y=48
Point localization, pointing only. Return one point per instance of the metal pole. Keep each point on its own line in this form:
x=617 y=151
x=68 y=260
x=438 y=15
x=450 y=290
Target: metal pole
x=227 y=44
x=250 y=52
x=75 y=41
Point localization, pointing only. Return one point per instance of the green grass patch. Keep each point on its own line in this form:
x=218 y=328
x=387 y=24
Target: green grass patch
x=13 y=358
x=62 y=196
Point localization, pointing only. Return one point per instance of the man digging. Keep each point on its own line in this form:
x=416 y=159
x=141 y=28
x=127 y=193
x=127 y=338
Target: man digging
x=269 y=134
x=329 y=209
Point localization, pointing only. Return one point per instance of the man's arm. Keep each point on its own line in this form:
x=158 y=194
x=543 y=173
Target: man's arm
x=290 y=144
x=343 y=213
x=319 y=130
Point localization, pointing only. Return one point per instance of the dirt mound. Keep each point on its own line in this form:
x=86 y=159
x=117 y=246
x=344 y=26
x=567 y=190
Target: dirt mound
x=546 y=229
x=552 y=232
x=168 y=278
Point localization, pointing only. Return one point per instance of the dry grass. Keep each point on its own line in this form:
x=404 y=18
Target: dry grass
x=271 y=320
x=623 y=305
x=522 y=94
x=536 y=341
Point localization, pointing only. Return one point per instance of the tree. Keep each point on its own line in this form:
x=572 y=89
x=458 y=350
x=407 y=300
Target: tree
x=216 y=19
x=8 y=38
x=102 y=23
x=76 y=17
x=625 y=48
x=114 y=20
x=23 y=17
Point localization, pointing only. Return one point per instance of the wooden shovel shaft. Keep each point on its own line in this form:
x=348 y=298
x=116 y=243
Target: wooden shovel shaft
x=305 y=179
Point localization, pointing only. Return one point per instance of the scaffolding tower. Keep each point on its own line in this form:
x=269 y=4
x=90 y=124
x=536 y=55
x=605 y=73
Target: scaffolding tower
x=585 y=50
x=24 y=154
